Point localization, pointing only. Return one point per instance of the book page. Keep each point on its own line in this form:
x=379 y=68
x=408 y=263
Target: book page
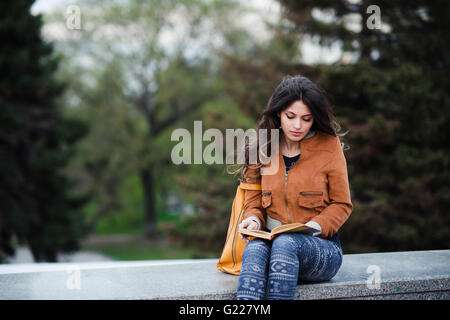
x=293 y=227
x=247 y=231
x=257 y=233
x=288 y=227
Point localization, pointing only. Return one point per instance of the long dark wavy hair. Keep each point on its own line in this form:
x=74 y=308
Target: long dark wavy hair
x=291 y=89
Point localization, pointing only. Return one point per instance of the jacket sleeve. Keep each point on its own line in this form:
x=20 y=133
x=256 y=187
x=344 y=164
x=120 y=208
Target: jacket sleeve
x=340 y=208
x=252 y=202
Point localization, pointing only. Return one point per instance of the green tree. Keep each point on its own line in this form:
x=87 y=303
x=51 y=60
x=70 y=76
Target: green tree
x=37 y=208
x=394 y=98
x=390 y=89
x=243 y=78
x=141 y=92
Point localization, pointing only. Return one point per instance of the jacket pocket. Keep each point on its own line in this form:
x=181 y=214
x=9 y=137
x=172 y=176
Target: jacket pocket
x=311 y=200
x=266 y=199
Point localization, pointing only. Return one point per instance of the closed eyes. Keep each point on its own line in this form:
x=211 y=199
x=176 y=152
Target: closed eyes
x=307 y=120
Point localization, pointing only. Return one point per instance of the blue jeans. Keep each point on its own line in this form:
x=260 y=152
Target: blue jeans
x=283 y=262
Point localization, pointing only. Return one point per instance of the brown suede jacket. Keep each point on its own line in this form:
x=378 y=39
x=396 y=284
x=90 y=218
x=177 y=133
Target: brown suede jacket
x=316 y=187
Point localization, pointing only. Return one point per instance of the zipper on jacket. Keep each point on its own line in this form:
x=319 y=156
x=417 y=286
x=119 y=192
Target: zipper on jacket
x=285 y=187
x=285 y=190
x=285 y=196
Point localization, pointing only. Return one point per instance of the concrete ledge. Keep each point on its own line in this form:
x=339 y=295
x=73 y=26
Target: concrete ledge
x=402 y=275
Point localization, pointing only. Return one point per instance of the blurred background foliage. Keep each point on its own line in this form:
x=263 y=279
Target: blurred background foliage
x=87 y=116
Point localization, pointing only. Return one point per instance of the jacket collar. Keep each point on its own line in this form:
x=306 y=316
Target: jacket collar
x=307 y=142
x=312 y=142
x=309 y=134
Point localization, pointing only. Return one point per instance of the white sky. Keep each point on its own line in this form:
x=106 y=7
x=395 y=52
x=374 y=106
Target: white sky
x=311 y=52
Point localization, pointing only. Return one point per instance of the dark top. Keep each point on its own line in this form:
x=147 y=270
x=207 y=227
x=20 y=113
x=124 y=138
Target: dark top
x=289 y=161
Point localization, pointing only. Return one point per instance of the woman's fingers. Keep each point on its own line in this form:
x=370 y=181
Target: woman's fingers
x=252 y=226
x=247 y=224
x=243 y=225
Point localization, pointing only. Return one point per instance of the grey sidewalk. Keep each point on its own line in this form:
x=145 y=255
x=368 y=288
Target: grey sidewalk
x=394 y=275
x=23 y=255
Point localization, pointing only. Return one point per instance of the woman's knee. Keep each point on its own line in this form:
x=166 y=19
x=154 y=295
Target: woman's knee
x=284 y=243
x=294 y=244
x=321 y=263
x=323 y=273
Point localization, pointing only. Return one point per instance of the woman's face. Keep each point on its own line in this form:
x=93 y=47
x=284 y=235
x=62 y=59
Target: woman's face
x=296 y=120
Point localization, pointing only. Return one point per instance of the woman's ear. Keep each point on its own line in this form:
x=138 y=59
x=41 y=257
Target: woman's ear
x=279 y=114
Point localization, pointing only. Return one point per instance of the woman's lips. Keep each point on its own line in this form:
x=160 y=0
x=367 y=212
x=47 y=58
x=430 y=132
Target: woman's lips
x=297 y=134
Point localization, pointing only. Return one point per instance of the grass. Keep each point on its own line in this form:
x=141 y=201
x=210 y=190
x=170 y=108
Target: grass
x=119 y=241
x=137 y=247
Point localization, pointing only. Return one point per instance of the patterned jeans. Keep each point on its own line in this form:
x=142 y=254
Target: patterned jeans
x=284 y=261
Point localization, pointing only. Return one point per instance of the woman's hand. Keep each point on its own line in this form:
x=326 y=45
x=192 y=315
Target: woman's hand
x=251 y=223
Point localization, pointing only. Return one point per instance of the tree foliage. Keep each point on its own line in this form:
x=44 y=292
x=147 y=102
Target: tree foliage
x=394 y=99
x=390 y=90
x=36 y=142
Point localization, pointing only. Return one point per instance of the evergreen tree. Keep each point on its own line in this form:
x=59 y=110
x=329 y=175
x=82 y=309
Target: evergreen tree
x=36 y=141
x=393 y=96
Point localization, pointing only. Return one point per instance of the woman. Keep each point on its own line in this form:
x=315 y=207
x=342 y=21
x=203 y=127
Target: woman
x=311 y=186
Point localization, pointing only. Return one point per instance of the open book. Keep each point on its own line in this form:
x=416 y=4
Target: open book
x=291 y=227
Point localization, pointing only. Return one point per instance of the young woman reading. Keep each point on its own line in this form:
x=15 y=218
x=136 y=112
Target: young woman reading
x=310 y=187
